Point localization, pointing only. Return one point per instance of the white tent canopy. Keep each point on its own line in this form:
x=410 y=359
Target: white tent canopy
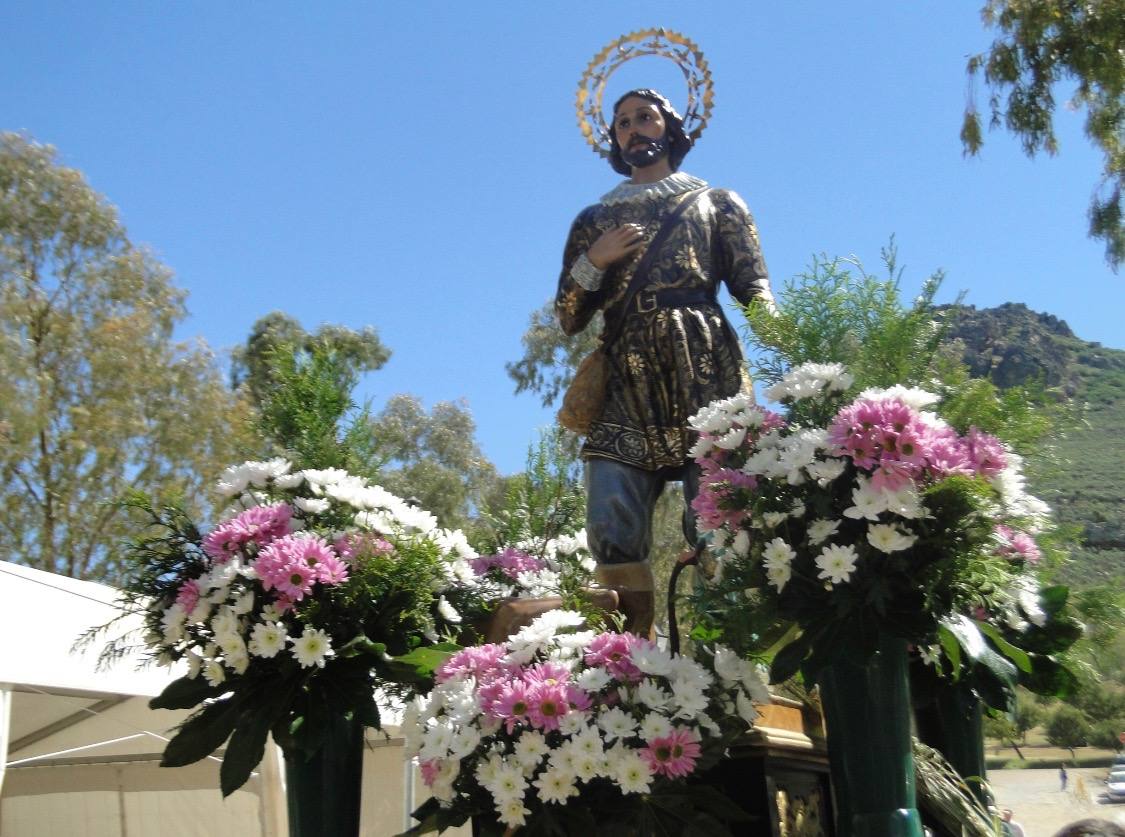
x=80 y=749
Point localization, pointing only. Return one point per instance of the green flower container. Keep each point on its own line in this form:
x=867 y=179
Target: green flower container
x=323 y=792
x=953 y=724
x=867 y=719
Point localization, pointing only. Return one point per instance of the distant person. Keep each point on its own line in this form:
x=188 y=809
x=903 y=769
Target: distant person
x=1010 y=826
x=1091 y=828
x=1062 y=776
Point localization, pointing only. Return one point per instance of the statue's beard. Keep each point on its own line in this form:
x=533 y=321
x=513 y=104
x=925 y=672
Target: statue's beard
x=642 y=156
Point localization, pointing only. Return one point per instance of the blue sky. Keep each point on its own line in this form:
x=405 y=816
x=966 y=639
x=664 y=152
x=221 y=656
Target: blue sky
x=415 y=166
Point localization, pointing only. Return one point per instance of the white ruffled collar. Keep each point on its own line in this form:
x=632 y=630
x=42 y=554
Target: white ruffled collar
x=674 y=184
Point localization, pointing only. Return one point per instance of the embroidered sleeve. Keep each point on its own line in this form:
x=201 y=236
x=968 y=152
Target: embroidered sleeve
x=585 y=274
x=576 y=301
x=740 y=254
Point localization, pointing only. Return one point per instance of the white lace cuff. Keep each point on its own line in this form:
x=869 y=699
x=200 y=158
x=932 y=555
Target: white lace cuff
x=585 y=274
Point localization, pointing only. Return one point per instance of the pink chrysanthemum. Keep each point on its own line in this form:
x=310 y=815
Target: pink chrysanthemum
x=579 y=699
x=294 y=563
x=673 y=755
x=361 y=543
x=260 y=526
x=512 y=703
x=986 y=453
x=721 y=498
x=188 y=595
x=511 y=562
x=482 y=662
x=612 y=652
x=547 y=673
x=1017 y=546
x=431 y=769
x=548 y=704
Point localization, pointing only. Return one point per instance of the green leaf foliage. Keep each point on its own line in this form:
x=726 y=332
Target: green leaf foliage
x=1040 y=45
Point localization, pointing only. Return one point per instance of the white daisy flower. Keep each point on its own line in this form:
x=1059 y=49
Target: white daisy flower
x=887 y=538
x=312 y=648
x=836 y=563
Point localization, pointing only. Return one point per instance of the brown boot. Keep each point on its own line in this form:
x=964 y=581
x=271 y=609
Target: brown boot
x=634 y=585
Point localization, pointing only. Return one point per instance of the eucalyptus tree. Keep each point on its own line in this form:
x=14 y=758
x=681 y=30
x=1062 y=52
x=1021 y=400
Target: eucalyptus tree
x=96 y=397
x=1041 y=45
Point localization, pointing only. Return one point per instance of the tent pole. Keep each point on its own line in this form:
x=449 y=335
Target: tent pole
x=5 y=728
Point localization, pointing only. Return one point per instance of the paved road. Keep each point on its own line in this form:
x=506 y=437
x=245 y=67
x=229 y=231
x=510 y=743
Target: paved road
x=1042 y=808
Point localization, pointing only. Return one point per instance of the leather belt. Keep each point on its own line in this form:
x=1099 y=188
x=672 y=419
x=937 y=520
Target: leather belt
x=646 y=302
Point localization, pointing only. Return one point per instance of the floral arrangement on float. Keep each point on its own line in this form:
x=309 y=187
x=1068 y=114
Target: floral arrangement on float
x=565 y=730
x=315 y=594
x=859 y=516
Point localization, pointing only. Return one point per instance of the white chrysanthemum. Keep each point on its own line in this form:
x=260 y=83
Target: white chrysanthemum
x=231 y=645
x=930 y=654
x=1027 y=592
x=312 y=648
x=778 y=575
x=689 y=698
x=762 y=462
x=869 y=502
x=616 y=724
x=746 y=709
x=821 y=530
x=809 y=379
x=593 y=679
x=654 y=725
x=731 y=439
x=244 y=603
x=825 y=471
x=313 y=505
x=887 y=538
x=267 y=639
x=651 y=659
x=530 y=749
x=629 y=771
x=556 y=786
x=906 y=502
x=650 y=694
x=288 y=481
x=319 y=478
x=172 y=624
x=224 y=622
x=774 y=519
x=555 y=620
x=512 y=812
x=912 y=397
x=447 y=611
x=213 y=673
x=238 y=662
x=571 y=723
x=836 y=563
x=588 y=767
x=777 y=552
x=740 y=544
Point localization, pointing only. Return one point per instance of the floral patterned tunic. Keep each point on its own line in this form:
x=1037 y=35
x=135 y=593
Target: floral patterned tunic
x=676 y=351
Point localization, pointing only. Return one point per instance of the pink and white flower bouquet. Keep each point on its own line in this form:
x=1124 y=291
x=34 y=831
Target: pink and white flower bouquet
x=537 y=567
x=562 y=730
x=856 y=517
x=314 y=589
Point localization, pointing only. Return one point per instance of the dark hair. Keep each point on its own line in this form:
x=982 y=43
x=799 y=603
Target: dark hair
x=679 y=144
x=1092 y=828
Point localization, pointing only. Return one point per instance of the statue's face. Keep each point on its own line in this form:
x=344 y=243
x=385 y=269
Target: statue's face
x=640 y=130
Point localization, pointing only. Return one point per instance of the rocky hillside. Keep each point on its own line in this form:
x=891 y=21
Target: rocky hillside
x=1012 y=344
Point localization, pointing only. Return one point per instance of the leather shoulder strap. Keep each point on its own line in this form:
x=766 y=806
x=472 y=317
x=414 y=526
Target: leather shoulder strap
x=637 y=281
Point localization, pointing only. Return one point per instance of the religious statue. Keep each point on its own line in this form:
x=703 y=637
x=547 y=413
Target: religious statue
x=650 y=255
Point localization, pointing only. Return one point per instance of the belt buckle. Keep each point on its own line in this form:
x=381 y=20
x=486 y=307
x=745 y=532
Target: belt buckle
x=644 y=308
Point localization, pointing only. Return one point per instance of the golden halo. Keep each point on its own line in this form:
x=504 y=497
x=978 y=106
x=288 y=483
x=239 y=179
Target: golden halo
x=661 y=42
